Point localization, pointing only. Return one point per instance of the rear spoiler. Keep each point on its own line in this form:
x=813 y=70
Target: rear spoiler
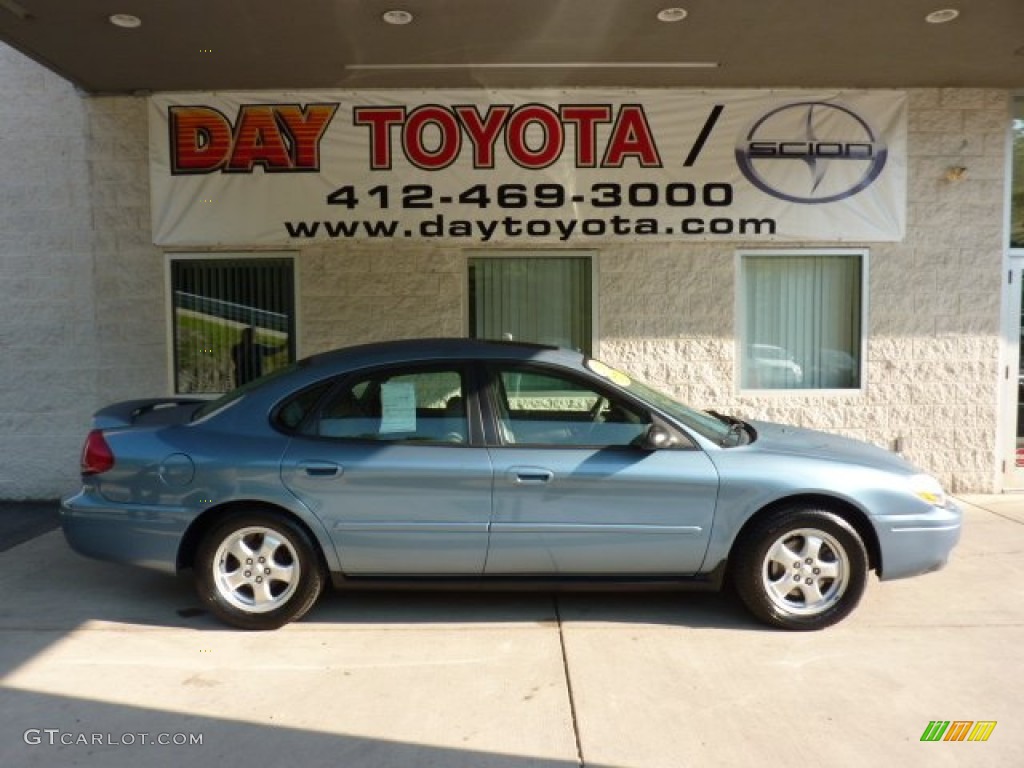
x=124 y=414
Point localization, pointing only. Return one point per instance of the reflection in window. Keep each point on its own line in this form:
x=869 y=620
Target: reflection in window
x=234 y=320
x=802 y=320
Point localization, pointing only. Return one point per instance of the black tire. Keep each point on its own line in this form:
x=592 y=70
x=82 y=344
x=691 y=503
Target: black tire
x=258 y=570
x=801 y=568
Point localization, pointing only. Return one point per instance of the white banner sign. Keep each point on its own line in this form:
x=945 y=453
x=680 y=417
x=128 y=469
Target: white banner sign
x=520 y=167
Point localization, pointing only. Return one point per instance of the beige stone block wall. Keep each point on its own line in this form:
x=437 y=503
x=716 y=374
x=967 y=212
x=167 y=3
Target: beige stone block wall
x=130 y=323
x=359 y=294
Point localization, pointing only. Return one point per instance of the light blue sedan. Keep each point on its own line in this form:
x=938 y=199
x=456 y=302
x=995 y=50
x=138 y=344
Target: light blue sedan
x=431 y=462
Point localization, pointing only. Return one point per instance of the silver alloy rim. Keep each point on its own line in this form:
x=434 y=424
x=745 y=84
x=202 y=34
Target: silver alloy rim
x=805 y=572
x=256 y=569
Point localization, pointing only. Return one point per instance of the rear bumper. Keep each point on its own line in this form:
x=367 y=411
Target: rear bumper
x=125 y=533
x=916 y=544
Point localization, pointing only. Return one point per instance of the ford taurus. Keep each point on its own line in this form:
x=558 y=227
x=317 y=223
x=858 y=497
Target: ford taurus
x=438 y=462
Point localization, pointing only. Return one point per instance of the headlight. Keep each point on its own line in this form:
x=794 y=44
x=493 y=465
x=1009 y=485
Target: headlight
x=928 y=489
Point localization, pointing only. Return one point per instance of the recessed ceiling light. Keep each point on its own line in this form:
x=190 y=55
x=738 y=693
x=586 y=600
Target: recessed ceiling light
x=670 y=15
x=941 y=17
x=397 y=17
x=126 y=21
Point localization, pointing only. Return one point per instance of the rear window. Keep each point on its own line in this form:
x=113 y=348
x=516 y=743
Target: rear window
x=295 y=409
x=215 y=406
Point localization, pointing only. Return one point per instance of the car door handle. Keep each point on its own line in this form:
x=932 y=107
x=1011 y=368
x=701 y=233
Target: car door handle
x=530 y=475
x=320 y=468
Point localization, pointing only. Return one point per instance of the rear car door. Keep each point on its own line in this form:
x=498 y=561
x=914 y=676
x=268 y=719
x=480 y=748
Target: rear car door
x=573 y=491
x=393 y=463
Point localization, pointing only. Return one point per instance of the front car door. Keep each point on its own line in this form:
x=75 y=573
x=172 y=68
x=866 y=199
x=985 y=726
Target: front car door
x=573 y=491
x=392 y=462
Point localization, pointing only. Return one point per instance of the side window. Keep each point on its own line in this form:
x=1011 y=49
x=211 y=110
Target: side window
x=425 y=406
x=544 y=408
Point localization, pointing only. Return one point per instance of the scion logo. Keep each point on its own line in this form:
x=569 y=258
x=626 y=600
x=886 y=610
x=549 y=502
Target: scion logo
x=811 y=152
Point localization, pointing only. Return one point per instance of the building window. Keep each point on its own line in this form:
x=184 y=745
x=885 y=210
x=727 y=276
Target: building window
x=234 y=320
x=1017 y=185
x=802 y=319
x=542 y=299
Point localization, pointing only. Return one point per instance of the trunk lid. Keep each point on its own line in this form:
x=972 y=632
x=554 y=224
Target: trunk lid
x=152 y=412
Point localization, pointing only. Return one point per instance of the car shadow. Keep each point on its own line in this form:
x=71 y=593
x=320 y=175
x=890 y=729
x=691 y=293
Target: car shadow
x=52 y=587
x=681 y=609
x=22 y=521
x=473 y=607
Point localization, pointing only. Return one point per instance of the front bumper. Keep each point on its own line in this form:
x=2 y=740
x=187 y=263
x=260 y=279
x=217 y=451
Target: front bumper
x=136 y=534
x=916 y=544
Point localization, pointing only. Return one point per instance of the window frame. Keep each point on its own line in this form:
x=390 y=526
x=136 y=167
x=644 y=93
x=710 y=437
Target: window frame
x=589 y=255
x=170 y=257
x=740 y=314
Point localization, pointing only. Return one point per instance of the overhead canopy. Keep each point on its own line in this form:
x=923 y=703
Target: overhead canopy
x=268 y=44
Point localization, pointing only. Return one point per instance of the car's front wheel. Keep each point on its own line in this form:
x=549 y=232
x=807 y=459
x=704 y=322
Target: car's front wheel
x=802 y=568
x=258 y=570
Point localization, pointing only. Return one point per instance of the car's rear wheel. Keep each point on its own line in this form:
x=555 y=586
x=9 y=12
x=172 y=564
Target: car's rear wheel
x=258 y=570
x=802 y=568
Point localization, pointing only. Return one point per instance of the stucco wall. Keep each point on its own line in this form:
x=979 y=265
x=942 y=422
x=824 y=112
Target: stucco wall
x=84 y=321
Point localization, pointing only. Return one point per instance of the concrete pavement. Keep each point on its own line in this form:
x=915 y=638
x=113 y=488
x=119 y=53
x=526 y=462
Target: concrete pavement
x=97 y=661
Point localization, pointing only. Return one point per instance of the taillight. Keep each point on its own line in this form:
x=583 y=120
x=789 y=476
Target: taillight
x=96 y=454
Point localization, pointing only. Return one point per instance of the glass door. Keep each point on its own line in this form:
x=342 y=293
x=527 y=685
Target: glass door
x=1013 y=426
x=1013 y=397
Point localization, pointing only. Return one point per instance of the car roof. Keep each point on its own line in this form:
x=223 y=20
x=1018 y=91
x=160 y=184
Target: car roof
x=410 y=350
x=265 y=393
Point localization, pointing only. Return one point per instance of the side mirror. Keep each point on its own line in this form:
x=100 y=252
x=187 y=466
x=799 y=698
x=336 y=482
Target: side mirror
x=658 y=438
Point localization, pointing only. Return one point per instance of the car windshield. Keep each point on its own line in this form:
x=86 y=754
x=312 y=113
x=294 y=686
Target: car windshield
x=704 y=424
